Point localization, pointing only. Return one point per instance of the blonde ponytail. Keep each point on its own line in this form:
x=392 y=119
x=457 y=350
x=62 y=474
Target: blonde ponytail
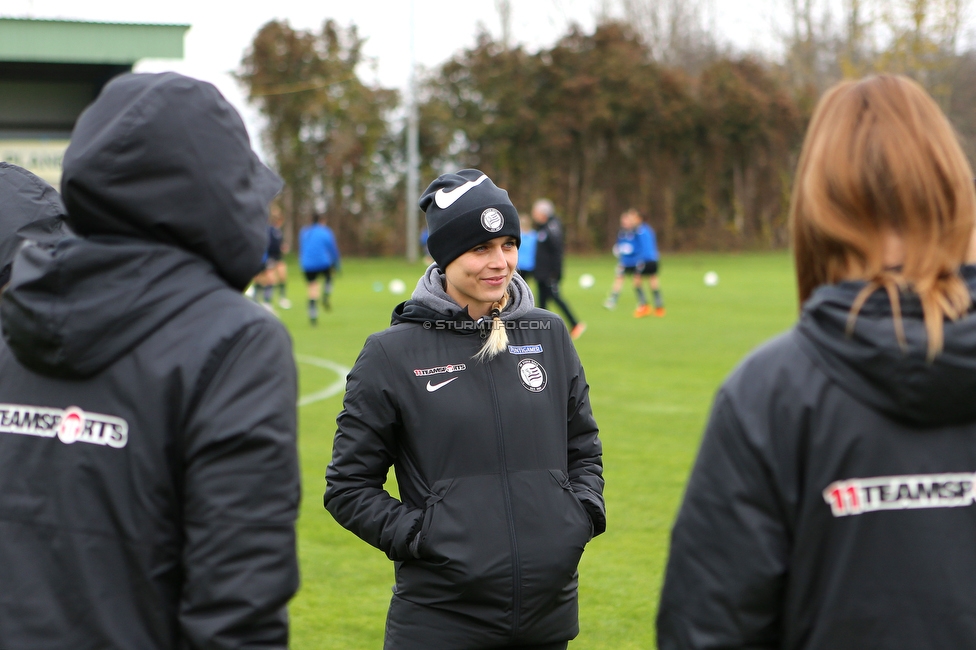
x=498 y=338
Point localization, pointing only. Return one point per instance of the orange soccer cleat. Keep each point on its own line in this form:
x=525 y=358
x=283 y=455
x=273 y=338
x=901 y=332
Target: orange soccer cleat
x=577 y=331
x=642 y=311
x=659 y=312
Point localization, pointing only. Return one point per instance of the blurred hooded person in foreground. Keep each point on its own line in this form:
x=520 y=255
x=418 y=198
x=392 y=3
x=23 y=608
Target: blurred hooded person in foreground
x=30 y=209
x=832 y=502
x=148 y=469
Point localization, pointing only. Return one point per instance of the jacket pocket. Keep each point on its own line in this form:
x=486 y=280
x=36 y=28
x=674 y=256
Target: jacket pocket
x=552 y=528
x=563 y=480
x=437 y=494
x=464 y=549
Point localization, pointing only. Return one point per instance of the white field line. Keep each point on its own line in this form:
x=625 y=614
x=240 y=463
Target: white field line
x=334 y=388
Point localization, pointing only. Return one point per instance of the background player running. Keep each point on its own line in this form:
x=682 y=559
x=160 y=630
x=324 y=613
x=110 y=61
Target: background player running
x=275 y=271
x=318 y=255
x=636 y=248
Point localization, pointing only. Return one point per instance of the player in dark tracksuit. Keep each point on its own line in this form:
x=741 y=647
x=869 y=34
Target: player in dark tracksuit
x=276 y=271
x=833 y=501
x=550 y=245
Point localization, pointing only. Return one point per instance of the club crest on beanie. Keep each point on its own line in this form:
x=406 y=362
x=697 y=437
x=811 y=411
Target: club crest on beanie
x=463 y=210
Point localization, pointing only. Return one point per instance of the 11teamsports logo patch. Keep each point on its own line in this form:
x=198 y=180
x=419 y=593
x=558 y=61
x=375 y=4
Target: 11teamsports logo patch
x=859 y=495
x=439 y=370
x=69 y=425
x=532 y=375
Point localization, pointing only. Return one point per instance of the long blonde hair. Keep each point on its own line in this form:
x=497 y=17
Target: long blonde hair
x=498 y=338
x=881 y=159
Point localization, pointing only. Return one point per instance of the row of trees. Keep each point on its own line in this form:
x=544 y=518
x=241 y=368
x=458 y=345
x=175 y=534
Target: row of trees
x=598 y=126
x=646 y=111
x=329 y=132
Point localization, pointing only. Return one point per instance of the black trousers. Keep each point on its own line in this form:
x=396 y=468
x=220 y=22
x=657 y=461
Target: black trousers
x=550 y=291
x=415 y=627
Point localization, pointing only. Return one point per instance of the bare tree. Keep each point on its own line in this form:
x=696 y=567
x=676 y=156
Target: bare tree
x=504 y=8
x=918 y=38
x=858 y=51
x=923 y=37
x=811 y=58
x=675 y=31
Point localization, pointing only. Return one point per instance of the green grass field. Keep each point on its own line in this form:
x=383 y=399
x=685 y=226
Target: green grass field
x=651 y=384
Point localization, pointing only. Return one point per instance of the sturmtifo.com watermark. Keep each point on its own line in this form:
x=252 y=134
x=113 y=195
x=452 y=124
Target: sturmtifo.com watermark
x=487 y=324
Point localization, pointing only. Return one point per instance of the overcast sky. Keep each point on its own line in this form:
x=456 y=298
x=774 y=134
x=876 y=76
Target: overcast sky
x=220 y=32
x=219 y=35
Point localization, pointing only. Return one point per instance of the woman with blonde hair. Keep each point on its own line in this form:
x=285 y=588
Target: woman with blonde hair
x=479 y=402
x=831 y=504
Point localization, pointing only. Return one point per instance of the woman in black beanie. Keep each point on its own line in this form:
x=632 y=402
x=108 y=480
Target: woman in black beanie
x=479 y=402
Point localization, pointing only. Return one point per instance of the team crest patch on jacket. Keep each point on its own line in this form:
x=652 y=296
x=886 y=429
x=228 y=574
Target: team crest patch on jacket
x=69 y=425
x=532 y=375
x=525 y=349
x=859 y=495
x=440 y=370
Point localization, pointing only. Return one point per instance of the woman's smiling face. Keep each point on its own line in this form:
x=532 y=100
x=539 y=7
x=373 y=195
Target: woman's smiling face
x=481 y=276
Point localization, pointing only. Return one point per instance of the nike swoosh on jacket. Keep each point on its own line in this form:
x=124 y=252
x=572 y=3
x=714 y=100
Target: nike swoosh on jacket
x=432 y=387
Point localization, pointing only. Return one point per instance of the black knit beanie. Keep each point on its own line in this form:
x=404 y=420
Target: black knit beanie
x=465 y=209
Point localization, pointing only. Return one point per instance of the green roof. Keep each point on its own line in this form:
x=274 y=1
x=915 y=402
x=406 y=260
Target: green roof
x=64 y=41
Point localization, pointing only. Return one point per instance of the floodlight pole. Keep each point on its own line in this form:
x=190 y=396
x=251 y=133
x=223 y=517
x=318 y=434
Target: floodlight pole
x=413 y=152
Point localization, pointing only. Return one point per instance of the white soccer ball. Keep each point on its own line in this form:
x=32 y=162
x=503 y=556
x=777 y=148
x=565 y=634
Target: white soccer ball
x=711 y=279
x=586 y=280
x=397 y=286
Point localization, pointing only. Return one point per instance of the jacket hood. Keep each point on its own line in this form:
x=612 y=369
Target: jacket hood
x=165 y=158
x=73 y=309
x=29 y=209
x=430 y=301
x=873 y=367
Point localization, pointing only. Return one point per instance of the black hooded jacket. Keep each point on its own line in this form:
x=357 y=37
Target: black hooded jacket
x=832 y=502
x=148 y=468
x=30 y=209
x=549 y=251
x=499 y=470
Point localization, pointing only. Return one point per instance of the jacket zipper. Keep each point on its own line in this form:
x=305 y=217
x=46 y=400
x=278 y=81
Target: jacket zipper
x=506 y=491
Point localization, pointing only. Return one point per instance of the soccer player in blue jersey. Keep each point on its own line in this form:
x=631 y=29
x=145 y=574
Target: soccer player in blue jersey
x=318 y=255
x=526 y=251
x=636 y=249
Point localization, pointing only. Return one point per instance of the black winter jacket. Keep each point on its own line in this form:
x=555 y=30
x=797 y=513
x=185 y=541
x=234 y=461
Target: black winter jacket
x=29 y=209
x=549 y=251
x=831 y=505
x=499 y=470
x=148 y=467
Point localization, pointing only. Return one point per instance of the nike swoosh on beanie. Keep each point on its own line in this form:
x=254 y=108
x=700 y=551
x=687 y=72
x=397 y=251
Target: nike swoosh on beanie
x=445 y=200
x=463 y=211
